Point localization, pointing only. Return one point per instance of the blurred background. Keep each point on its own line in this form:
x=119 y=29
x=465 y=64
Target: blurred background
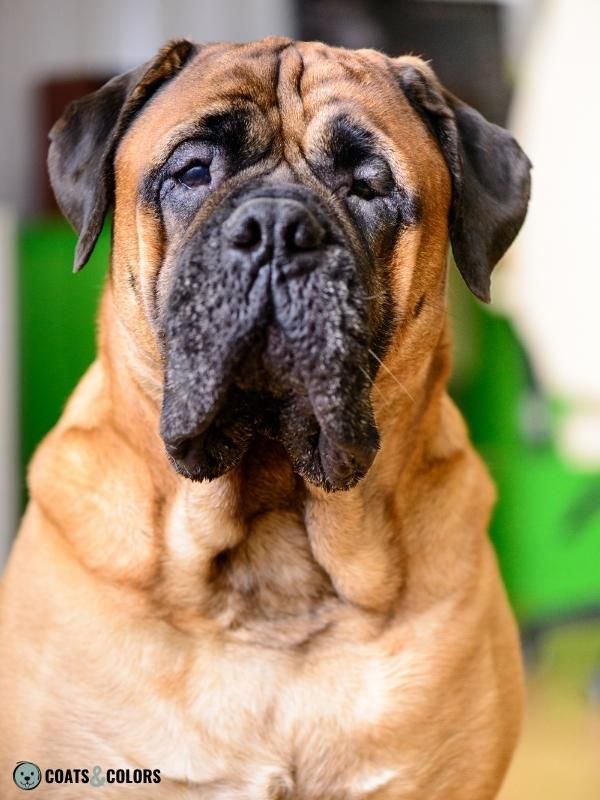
x=527 y=372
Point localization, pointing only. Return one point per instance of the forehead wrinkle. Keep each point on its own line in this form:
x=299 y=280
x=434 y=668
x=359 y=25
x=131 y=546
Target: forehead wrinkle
x=289 y=98
x=232 y=66
x=337 y=65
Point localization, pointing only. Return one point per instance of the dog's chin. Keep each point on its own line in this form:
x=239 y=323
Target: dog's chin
x=326 y=458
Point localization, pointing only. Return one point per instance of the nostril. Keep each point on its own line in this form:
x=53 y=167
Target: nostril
x=247 y=235
x=304 y=234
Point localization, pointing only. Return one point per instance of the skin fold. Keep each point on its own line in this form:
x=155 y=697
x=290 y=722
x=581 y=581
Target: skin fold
x=258 y=634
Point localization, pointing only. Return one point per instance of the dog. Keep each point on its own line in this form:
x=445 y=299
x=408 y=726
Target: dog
x=255 y=556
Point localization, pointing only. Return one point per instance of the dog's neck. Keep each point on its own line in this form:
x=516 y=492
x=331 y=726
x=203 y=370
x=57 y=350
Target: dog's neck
x=260 y=530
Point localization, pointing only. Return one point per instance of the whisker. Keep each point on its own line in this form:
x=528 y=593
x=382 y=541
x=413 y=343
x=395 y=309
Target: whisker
x=389 y=371
x=372 y=382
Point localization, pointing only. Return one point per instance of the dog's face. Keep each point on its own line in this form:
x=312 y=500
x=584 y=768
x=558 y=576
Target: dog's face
x=282 y=214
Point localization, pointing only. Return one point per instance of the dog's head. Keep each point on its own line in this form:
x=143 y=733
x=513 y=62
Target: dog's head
x=282 y=214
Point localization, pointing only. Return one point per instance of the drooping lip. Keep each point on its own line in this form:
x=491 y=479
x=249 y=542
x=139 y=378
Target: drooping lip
x=326 y=463
x=322 y=456
x=319 y=410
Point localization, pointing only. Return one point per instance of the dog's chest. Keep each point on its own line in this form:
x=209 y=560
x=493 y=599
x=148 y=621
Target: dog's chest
x=282 y=693
x=276 y=725
x=274 y=700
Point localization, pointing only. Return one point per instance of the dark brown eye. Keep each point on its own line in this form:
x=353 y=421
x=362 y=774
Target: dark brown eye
x=195 y=176
x=362 y=189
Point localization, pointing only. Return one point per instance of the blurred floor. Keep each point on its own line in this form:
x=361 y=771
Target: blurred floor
x=559 y=754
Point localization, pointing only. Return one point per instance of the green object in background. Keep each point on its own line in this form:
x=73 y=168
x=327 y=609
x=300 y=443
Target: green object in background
x=57 y=312
x=546 y=526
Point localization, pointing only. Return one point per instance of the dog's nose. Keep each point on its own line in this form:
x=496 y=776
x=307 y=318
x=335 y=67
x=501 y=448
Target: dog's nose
x=266 y=228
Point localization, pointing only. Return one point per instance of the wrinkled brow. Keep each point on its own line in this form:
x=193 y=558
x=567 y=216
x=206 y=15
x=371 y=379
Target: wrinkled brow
x=240 y=130
x=348 y=142
x=232 y=128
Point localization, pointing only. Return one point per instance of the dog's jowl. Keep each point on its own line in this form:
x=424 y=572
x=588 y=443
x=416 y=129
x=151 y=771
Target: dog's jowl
x=255 y=558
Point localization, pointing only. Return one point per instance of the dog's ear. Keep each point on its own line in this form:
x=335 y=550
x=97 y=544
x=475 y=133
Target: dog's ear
x=489 y=173
x=83 y=143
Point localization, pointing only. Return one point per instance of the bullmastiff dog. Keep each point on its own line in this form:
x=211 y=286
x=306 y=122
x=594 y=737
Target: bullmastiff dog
x=255 y=562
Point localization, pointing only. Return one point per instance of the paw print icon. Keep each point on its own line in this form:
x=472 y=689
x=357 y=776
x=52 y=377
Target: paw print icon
x=27 y=775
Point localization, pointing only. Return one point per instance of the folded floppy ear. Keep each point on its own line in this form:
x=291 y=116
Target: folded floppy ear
x=489 y=173
x=84 y=140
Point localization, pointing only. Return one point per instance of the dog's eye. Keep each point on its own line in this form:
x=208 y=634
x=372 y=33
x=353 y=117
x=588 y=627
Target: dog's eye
x=372 y=179
x=363 y=189
x=195 y=176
